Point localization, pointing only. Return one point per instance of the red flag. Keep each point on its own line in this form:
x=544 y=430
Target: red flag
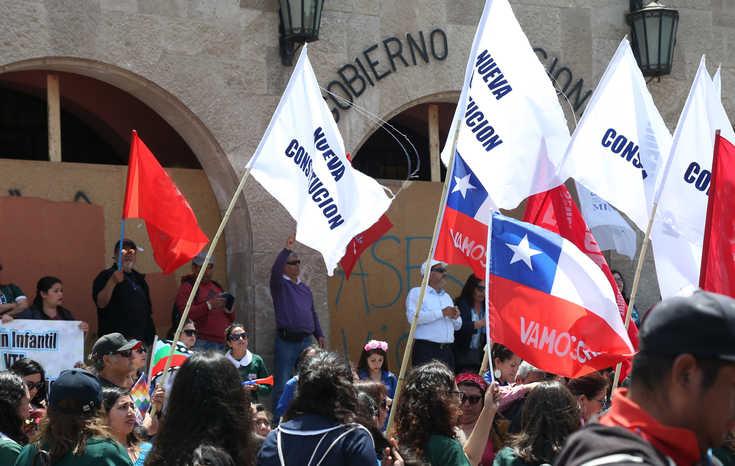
x=556 y=211
x=151 y=195
x=717 y=272
x=361 y=242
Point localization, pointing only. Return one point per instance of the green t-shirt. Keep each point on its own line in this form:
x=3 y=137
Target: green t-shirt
x=99 y=452
x=445 y=451
x=255 y=370
x=507 y=457
x=9 y=293
x=9 y=450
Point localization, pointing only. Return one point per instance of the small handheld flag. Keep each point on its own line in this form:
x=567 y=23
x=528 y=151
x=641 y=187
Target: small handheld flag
x=140 y=395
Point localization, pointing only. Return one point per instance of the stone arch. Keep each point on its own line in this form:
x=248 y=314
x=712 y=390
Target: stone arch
x=221 y=175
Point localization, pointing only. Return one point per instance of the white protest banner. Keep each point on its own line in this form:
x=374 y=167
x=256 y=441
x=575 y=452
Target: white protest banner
x=678 y=232
x=512 y=130
x=609 y=228
x=620 y=146
x=301 y=162
x=55 y=344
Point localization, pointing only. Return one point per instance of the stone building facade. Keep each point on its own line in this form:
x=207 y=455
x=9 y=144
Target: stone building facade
x=211 y=69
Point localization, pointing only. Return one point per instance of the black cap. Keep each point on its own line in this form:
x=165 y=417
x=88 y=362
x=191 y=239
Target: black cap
x=77 y=385
x=702 y=324
x=112 y=343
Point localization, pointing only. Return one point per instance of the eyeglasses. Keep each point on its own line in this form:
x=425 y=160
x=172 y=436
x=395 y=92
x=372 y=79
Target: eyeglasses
x=456 y=393
x=471 y=399
x=189 y=332
x=480 y=287
x=140 y=350
x=36 y=385
x=238 y=336
x=439 y=269
x=293 y=262
x=125 y=353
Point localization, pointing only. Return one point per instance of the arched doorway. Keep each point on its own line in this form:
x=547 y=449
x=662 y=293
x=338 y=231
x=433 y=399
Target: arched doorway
x=174 y=133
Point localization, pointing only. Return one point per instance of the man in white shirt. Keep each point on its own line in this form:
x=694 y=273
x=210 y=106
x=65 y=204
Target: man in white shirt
x=437 y=321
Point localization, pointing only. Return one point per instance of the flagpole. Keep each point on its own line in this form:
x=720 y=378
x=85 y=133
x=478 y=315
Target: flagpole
x=120 y=244
x=200 y=275
x=425 y=281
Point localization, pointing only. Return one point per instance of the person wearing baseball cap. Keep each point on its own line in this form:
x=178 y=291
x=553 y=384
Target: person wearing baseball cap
x=74 y=434
x=112 y=360
x=438 y=318
x=681 y=400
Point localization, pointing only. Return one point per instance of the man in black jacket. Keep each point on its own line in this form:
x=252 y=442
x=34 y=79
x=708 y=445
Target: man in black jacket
x=681 y=400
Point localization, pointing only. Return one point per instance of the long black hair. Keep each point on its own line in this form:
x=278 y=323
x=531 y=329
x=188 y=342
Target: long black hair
x=12 y=391
x=43 y=286
x=25 y=367
x=110 y=395
x=206 y=405
x=468 y=290
x=325 y=388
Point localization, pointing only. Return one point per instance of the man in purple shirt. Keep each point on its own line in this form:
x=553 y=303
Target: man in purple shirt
x=296 y=319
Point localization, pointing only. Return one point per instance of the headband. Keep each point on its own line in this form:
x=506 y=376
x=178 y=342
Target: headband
x=469 y=377
x=376 y=344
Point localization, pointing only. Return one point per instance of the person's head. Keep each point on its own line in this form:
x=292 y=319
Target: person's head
x=72 y=416
x=473 y=290
x=379 y=394
x=374 y=357
x=112 y=355
x=550 y=414
x=261 y=419
x=129 y=253
x=207 y=405
x=196 y=266
x=590 y=392
x=437 y=274
x=14 y=406
x=236 y=338
x=528 y=373
x=686 y=362
x=49 y=293
x=189 y=334
x=306 y=354
x=472 y=396
x=324 y=388
x=505 y=363
x=292 y=267
x=34 y=377
x=119 y=411
x=139 y=356
x=209 y=455
x=429 y=404
x=619 y=281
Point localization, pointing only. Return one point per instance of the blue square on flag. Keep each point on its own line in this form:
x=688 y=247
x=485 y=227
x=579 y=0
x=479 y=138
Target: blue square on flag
x=466 y=193
x=524 y=253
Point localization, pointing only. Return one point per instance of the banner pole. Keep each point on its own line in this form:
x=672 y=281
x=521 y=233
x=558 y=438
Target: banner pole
x=120 y=244
x=425 y=281
x=200 y=275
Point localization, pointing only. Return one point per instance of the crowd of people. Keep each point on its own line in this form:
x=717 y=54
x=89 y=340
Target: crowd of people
x=678 y=406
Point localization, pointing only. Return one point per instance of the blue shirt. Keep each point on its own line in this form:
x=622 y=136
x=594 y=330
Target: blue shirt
x=289 y=390
x=293 y=302
x=387 y=377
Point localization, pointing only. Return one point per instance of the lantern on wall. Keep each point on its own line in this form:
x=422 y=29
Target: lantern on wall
x=299 y=24
x=653 y=29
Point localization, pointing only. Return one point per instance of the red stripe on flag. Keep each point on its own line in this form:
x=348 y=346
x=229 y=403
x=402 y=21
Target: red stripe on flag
x=552 y=334
x=462 y=241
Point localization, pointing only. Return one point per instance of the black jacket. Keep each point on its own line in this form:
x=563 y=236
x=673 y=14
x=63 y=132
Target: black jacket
x=600 y=445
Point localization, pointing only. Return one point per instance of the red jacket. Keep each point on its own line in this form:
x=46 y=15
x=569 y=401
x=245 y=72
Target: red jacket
x=210 y=325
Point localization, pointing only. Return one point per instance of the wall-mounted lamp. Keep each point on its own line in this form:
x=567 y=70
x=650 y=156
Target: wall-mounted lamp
x=653 y=29
x=299 y=23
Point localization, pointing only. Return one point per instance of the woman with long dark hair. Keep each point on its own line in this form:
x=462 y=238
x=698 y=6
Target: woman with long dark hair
x=505 y=364
x=469 y=340
x=47 y=305
x=249 y=365
x=591 y=392
x=428 y=414
x=14 y=410
x=373 y=365
x=73 y=432
x=320 y=425
x=34 y=377
x=206 y=405
x=550 y=415
x=119 y=412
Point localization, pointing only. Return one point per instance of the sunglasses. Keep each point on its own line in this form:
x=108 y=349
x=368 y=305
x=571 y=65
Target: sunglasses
x=125 y=353
x=238 y=336
x=189 y=332
x=36 y=385
x=127 y=252
x=439 y=269
x=293 y=262
x=480 y=287
x=471 y=399
x=140 y=350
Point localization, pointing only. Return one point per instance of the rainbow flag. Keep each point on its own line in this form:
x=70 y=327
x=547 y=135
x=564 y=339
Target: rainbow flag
x=160 y=354
x=140 y=395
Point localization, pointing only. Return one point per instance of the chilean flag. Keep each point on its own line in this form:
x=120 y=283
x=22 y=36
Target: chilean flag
x=550 y=303
x=463 y=234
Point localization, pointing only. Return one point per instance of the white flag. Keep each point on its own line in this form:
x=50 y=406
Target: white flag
x=717 y=82
x=678 y=232
x=512 y=129
x=609 y=228
x=301 y=162
x=621 y=143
